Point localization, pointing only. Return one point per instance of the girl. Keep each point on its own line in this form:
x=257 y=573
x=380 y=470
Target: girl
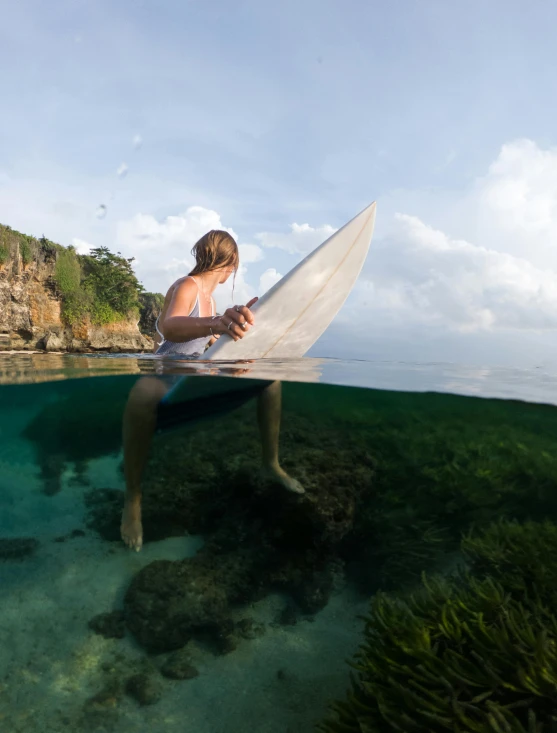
x=186 y=325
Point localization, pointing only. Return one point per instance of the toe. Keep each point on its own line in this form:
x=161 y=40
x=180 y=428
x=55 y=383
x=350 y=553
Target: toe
x=297 y=487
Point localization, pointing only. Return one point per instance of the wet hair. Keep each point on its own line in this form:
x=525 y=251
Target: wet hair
x=214 y=251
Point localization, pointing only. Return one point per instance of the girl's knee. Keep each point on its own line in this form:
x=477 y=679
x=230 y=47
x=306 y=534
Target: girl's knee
x=146 y=394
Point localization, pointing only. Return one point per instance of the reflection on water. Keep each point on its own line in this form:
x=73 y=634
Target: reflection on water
x=431 y=514
x=534 y=385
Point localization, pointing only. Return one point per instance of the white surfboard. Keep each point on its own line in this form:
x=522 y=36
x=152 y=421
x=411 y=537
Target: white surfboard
x=293 y=314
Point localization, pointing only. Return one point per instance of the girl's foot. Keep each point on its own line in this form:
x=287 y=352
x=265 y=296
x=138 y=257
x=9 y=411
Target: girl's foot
x=131 y=528
x=279 y=475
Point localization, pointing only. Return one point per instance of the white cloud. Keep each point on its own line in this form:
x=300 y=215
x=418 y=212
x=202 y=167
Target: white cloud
x=268 y=279
x=137 y=141
x=419 y=275
x=122 y=170
x=485 y=292
x=516 y=202
x=301 y=238
x=250 y=253
x=82 y=247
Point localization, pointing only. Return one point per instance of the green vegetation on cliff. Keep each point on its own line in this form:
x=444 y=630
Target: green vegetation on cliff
x=151 y=307
x=29 y=248
x=100 y=285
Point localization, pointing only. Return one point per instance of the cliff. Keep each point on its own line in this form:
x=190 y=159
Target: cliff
x=53 y=299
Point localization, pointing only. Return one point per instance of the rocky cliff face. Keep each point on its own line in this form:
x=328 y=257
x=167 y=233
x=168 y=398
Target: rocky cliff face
x=30 y=312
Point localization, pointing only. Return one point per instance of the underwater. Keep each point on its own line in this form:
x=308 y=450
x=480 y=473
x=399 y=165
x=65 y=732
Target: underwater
x=412 y=587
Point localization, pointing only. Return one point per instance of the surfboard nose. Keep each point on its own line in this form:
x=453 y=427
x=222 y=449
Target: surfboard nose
x=358 y=231
x=368 y=212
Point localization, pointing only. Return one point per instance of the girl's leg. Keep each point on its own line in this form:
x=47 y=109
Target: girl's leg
x=140 y=417
x=268 y=414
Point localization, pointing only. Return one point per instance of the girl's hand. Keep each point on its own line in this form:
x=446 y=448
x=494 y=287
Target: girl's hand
x=236 y=321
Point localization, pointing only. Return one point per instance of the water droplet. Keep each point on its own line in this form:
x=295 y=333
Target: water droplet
x=101 y=211
x=137 y=141
x=122 y=171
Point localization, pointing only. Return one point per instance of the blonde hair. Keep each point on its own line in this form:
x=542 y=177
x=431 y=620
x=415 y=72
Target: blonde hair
x=214 y=251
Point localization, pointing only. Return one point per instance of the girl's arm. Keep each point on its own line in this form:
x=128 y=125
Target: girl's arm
x=179 y=326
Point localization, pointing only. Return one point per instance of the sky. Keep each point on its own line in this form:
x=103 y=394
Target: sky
x=140 y=125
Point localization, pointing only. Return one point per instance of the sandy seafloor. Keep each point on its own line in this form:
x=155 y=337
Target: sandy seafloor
x=51 y=663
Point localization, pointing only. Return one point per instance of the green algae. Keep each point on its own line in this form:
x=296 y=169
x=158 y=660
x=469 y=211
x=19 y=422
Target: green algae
x=475 y=651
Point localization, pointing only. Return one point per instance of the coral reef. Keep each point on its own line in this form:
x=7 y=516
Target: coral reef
x=144 y=688
x=391 y=485
x=111 y=625
x=178 y=666
x=259 y=537
x=476 y=651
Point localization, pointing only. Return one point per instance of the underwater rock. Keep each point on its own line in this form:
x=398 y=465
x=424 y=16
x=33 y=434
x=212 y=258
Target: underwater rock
x=111 y=625
x=17 y=548
x=104 y=509
x=227 y=644
x=224 y=637
x=178 y=666
x=108 y=697
x=71 y=536
x=248 y=628
x=288 y=616
x=144 y=688
x=313 y=594
x=167 y=601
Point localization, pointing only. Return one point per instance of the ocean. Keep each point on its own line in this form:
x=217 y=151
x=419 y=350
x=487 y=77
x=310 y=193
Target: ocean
x=410 y=587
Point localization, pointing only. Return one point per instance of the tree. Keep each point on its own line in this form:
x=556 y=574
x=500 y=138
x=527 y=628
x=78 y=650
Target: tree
x=112 y=279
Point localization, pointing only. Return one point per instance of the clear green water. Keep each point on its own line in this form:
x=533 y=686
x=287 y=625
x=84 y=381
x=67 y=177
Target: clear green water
x=253 y=595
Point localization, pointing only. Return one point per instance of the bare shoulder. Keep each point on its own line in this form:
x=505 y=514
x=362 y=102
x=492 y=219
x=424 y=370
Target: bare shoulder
x=182 y=285
x=180 y=298
x=185 y=287
x=180 y=294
